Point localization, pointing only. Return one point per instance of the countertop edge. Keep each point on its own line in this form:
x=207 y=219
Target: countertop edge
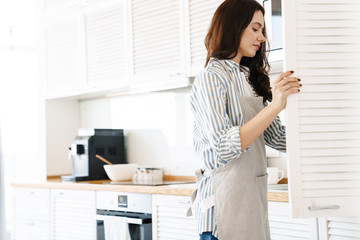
x=179 y=189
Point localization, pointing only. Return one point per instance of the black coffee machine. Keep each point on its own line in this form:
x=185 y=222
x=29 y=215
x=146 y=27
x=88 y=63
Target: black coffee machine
x=108 y=143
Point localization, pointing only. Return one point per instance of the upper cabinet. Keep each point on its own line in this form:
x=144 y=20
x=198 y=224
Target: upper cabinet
x=322 y=46
x=107 y=50
x=86 y=46
x=158 y=41
x=200 y=13
x=94 y=46
x=63 y=39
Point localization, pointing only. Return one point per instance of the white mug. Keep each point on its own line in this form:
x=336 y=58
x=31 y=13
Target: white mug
x=273 y=175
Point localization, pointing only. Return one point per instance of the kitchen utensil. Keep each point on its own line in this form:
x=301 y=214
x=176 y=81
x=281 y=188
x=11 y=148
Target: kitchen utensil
x=148 y=174
x=103 y=159
x=121 y=172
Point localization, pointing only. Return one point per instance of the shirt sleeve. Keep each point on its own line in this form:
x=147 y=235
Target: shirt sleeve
x=275 y=135
x=209 y=105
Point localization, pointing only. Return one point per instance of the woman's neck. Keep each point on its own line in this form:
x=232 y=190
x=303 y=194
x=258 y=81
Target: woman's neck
x=237 y=58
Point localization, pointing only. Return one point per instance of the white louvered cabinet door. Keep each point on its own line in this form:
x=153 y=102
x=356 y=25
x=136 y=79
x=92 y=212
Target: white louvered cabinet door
x=345 y=228
x=107 y=45
x=158 y=41
x=64 y=54
x=169 y=218
x=322 y=46
x=283 y=227
x=31 y=214
x=200 y=15
x=73 y=215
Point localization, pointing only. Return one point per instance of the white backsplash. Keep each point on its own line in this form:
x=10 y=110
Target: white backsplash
x=158 y=127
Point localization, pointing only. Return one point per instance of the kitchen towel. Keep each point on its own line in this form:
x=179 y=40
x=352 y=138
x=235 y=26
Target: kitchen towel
x=116 y=228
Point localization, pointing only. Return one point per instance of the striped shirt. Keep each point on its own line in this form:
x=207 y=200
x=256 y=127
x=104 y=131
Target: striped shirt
x=217 y=119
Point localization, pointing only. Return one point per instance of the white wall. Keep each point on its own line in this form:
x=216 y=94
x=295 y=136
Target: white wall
x=21 y=105
x=158 y=127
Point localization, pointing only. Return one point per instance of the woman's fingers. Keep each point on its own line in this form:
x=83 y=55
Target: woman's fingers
x=289 y=85
x=282 y=76
x=286 y=80
x=282 y=87
x=285 y=84
x=292 y=91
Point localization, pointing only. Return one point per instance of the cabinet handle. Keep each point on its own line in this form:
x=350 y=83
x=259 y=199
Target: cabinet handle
x=313 y=208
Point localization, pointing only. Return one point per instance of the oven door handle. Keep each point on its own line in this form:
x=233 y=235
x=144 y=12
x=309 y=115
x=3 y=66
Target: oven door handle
x=130 y=220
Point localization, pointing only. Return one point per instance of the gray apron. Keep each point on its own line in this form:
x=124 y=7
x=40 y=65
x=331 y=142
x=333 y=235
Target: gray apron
x=240 y=187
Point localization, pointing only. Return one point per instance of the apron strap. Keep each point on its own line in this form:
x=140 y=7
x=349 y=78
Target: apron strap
x=206 y=203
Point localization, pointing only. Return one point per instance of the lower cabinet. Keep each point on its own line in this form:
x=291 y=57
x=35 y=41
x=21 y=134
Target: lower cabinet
x=283 y=227
x=43 y=214
x=339 y=228
x=31 y=211
x=73 y=215
x=169 y=220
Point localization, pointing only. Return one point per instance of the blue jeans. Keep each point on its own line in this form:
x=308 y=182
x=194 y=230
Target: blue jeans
x=207 y=236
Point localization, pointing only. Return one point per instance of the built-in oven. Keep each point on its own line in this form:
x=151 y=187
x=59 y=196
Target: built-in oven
x=134 y=208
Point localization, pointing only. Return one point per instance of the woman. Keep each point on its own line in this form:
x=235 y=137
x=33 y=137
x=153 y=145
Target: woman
x=233 y=122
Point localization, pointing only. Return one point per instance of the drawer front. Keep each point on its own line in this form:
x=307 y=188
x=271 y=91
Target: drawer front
x=36 y=230
x=32 y=204
x=32 y=192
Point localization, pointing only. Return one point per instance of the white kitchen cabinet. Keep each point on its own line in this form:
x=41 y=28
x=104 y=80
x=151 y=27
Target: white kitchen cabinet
x=64 y=54
x=346 y=228
x=73 y=215
x=323 y=130
x=31 y=214
x=200 y=13
x=283 y=227
x=170 y=220
x=107 y=52
x=87 y=47
x=158 y=44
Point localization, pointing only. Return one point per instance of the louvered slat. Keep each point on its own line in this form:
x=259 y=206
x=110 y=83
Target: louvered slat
x=283 y=227
x=200 y=15
x=25 y=230
x=170 y=218
x=156 y=35
x=343 y=228
x=31 y=214
x=73 y=214
x=106 y=46
x=36 y=209
x=63 y=53
x=323 y=120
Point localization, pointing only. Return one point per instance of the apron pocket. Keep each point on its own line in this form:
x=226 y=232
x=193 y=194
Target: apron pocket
x=261 y=187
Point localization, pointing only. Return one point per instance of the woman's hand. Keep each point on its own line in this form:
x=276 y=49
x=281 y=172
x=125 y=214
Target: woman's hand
x=282 y=87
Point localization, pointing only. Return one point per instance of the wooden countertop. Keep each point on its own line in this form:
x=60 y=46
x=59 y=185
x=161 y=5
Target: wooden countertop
x=101 y=185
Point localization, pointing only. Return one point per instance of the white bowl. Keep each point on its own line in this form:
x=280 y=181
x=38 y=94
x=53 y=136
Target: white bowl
x=121 y=172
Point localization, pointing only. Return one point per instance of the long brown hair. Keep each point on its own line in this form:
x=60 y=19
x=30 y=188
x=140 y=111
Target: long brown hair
x=223 y=39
